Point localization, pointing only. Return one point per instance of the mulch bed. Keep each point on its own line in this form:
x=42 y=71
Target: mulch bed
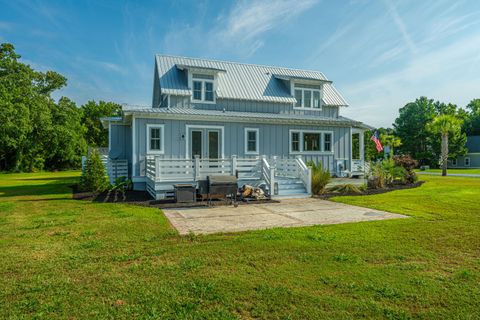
x=142 y=198
x=368 y=192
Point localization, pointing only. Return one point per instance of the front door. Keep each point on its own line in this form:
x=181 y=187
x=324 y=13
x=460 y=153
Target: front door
x=205 y=143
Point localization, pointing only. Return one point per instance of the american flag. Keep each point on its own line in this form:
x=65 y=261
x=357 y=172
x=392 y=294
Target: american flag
x=375 y=139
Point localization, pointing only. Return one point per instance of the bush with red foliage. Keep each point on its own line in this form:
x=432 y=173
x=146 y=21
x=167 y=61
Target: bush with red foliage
x=408 y=163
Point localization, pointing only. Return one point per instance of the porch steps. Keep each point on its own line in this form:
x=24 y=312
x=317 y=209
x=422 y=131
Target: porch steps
x=291 y=188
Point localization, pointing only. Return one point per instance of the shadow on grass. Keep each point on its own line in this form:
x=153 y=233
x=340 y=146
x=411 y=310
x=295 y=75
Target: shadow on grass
x=52 y=179
x=35 y=190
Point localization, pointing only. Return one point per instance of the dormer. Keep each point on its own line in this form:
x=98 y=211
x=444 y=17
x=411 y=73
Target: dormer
x=308 y=92
x=202 y=82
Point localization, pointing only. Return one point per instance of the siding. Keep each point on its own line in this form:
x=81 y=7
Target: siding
x=121 y=142
x=252 y=106
x=273 y=140
x=474 y=161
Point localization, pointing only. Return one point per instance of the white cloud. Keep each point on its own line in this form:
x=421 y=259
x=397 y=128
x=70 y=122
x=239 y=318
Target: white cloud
x=448 y=73
x=392 y=10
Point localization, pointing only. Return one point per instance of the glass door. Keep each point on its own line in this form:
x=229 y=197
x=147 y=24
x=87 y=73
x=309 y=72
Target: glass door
x=196 y=143
x=213 y=144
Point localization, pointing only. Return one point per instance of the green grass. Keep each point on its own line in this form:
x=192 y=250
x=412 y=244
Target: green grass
x=465 y=171
x=67 y=259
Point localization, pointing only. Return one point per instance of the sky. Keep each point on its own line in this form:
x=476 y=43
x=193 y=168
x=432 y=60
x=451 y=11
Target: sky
x=380 y=54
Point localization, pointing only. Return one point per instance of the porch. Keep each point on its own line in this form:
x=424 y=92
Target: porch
x=284 y=177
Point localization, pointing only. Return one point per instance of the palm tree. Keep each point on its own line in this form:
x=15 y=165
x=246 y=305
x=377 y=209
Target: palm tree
x=445 y=125
x=391 y=141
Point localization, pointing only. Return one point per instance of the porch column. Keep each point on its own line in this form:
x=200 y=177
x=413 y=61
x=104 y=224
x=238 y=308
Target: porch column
x=362 y=146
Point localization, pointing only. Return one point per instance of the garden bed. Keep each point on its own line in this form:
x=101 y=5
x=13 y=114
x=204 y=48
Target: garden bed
x=368 y=192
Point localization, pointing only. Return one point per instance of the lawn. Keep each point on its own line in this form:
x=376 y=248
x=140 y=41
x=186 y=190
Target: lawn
x=463 y=171
x=68 y=259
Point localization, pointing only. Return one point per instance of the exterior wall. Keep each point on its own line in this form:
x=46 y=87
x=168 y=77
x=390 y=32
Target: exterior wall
x=252 y=106
x=474 y=161
x=274 y=140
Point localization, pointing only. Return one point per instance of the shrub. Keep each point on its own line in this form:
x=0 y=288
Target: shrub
x=409 y=164
x=320 y=177
x=346 y=188
x=94 y=176
x=385 y=173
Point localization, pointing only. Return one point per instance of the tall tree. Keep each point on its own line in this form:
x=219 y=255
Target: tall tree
x=67 y=138
x=96 y=135
x=411 y=125
x=445 y=125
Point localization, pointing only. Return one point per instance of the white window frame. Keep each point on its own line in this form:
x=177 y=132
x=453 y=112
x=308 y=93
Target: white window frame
x=465 y=161
x=162 y=138
x=203 y=81
x=194 y=126
x=257 y=142
x=454 y=162
x=302 y=145
x=311 y=99
x=323 y=141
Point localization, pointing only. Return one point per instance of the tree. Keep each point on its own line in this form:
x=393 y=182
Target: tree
x=67 y=136
x=411 y=128
x=390 y=141
x=94 y=177
x=472 y=120
x=96 y=135
x=444 y=125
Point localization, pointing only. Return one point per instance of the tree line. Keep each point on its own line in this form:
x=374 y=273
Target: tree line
x=418 y=134
x=37 y=132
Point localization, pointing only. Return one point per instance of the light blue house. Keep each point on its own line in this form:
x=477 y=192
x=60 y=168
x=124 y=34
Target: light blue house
x=471 y=159
x=215 y=117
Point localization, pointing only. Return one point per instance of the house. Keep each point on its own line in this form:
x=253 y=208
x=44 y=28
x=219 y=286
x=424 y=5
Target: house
x=472 y=158
x=213 y=117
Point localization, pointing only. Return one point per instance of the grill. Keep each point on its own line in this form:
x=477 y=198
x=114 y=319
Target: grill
x=184 y=192
x=222 y=186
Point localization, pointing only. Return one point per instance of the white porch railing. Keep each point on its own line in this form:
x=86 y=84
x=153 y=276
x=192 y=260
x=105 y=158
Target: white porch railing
x=304 y=174
x=160 y=169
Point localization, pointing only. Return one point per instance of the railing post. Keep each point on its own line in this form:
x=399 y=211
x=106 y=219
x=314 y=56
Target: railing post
x=234 y=164
x=196 y=175
x=274 y=162
x=157 y=168
x=309 y=181
x=272 y=180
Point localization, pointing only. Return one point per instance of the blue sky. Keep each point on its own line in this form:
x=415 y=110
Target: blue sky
x=379 y=54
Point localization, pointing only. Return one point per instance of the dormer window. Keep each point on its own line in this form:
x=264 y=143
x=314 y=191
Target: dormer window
x=203 y=88
x=307 y=96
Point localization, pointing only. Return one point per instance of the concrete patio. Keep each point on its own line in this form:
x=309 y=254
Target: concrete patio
x=287 y=213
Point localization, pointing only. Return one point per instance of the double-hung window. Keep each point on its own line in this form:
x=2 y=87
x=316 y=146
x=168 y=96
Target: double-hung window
x=306 y=141
x=203 y=89
x=307 y=96
x=251 y=141
x=155 y=139
x=466 y=162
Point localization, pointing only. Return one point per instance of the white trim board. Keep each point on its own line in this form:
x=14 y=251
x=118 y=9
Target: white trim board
x=195 y=126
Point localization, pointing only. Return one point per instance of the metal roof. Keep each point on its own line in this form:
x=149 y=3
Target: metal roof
x=241 y=81
x=218 y=115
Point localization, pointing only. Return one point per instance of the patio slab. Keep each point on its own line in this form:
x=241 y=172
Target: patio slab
x=286 y=213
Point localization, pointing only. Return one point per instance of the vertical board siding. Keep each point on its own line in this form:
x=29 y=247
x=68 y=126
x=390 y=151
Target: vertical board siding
x=273 y=140
x=252 y=106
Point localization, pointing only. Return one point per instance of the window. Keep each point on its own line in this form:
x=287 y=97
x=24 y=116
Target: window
x=307 y=96
x=298 y=96
x=311 y=141
x=466 y=162
x=155 y=139
x=454 y=162
x=251 y=141
x=295 y=141
x=208 y=91
x=197 y=90
x=203 y=89
x=327 y=142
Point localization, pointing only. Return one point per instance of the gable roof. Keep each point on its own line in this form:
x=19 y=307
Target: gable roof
x=241 y=81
